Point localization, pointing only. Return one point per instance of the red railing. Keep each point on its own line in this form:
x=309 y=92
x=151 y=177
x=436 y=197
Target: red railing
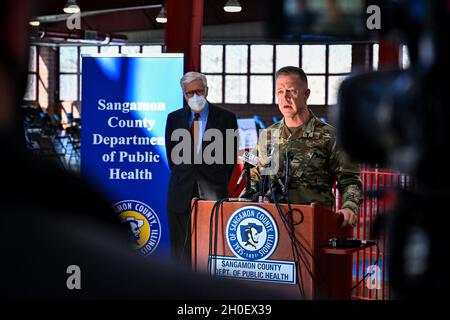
x=377 y=190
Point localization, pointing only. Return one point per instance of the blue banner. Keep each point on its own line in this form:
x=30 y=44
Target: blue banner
x=126 y=100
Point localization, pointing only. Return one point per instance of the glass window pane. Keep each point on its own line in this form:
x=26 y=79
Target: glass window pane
x=313 y=58
x=212 y=58
x=151 y=49
x=109 y=49
x=334 y=83
x=68 y=59
x=261 y=90
x=235 y=89
x=130 y=49
x=375 y=56
x=68 y=87
x=405 y=57
x=340 y=58
x=287 y=55
x=88 y=50
x=214 y=88
x=30 y=93
x=236 y=59
x=261 y=58
x=32 y=61
x=317 y=86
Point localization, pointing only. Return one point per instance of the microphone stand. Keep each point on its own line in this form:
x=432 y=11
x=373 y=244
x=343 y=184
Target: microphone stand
x=262 y=186
x=248 y=180
x=287 y=159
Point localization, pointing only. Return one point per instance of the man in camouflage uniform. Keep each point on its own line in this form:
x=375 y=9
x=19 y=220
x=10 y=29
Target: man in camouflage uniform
x=310 y=145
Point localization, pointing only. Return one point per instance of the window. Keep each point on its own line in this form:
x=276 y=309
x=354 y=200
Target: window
x=261 y=62
x=313 y=59
x=261 y=89
x=71 y=65
x=375 y=55
x=287 y=55
x=237 y=73
x=130 y=49
x=212 y=66
x=236 y=58
x=69 y=71
x=261 y=58
x=109 y=50
x=317 y=86
x=31 y=91
x=151 y=49
x=214 y=88
x=333 y=86
x=340 y=58
x=236 y=89
x=404 y=55
x=339 y=67
x=244 y=74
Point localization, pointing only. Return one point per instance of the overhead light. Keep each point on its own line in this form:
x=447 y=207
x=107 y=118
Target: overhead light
x=232 y=6
x=71 y=7
x=34 y=22
x=162 y=18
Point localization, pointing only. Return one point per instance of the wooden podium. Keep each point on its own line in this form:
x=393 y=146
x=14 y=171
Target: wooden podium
x=324 y=273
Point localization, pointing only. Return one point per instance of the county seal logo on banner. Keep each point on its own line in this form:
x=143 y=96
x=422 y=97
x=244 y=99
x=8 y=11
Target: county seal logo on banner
x=252 y=236
x=142 y=224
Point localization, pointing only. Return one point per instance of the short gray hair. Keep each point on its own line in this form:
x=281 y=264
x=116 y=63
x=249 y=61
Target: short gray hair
x=191 y=76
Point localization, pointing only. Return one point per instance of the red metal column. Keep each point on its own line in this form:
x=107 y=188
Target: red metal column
x=184 y=30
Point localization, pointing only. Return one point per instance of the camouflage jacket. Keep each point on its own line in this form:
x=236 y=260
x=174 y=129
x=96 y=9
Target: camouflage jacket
x=315 y=164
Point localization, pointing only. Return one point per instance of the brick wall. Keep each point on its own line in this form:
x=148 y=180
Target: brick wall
x=47 y=78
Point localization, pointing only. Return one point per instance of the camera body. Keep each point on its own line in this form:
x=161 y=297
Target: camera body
x=399 y=119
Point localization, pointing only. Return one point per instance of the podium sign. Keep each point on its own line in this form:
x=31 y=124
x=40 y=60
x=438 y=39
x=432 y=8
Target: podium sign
x=253 y=243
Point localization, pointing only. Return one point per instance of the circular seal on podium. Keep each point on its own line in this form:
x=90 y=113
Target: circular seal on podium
x=252 y=233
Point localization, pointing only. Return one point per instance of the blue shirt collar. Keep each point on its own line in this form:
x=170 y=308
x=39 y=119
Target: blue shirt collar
x=203 y=113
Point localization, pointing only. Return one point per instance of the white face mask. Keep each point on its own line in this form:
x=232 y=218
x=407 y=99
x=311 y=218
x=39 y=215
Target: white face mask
x=197 y=103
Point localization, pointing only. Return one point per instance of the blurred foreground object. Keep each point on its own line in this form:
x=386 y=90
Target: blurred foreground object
x=399 y=119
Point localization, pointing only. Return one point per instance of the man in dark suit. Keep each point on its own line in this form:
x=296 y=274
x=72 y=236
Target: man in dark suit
x=193 y=172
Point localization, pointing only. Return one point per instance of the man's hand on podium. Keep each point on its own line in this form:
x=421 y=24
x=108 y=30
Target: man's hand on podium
x=349 y=218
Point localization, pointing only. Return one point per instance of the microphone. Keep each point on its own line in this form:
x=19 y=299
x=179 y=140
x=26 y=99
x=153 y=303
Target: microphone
x=349 y=243
x=250 y=161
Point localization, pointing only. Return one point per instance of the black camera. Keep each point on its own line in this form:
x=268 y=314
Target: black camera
x=399 y=119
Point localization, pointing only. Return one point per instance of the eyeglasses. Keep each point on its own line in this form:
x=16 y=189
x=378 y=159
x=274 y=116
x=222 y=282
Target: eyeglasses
x=198 y=92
